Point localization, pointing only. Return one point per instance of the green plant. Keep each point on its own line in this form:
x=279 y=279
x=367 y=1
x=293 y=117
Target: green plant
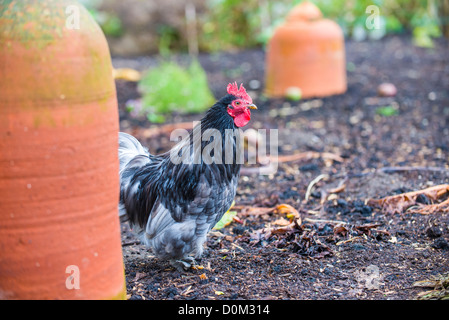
x=231 y=24
x=387 y=111
x=418 y=16
x=110 y=23
x=226 y=25
x=169 y=38
x=171 y=88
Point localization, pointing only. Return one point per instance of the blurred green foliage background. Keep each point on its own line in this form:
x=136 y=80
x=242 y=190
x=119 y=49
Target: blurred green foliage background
x=169 y=88
x=141 y=27
x=233 y=24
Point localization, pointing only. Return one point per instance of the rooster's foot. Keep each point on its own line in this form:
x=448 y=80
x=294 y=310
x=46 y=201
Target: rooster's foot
x=184 y=264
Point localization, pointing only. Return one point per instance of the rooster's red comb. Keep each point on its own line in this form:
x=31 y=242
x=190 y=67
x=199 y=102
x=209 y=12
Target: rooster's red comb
x=240 y=93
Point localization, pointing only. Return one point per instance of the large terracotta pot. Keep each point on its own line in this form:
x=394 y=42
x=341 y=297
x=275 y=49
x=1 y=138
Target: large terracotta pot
x=307 y=52
x=59 y=184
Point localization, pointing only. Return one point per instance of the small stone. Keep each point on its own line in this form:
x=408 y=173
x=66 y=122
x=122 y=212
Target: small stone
x=423 y=199
x=387 y=90
x=366 y=210
x=434 y=232
x=440 y=243
x=254 y=84
x=432 y=96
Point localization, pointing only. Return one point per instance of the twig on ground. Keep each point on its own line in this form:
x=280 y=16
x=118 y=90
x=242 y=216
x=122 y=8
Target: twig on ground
x=409 y=168
x=340 y=188
x=324 y=221
x=312 y=184
x=307 y=156
x=349 y=240
x=130 y=243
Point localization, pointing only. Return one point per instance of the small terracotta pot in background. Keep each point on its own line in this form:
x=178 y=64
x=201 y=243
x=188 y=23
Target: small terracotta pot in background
x=306 y=52
x=59 y=184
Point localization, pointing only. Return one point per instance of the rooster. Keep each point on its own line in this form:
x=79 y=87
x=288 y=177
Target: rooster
x=172 y=206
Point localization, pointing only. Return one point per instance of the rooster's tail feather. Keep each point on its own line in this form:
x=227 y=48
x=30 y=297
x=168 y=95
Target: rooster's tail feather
x=132 y=155
x=129 y=148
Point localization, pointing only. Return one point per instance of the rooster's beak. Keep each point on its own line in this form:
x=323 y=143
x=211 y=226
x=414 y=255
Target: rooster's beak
x=252 y=106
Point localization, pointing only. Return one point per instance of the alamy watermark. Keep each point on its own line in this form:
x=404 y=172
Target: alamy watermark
x=73 y=280
x=208 y=147
x=373 y=20
x=73 y=17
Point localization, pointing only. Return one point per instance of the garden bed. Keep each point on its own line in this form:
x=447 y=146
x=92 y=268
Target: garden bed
x=343 y=248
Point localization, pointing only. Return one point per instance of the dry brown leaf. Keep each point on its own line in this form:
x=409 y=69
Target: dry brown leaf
x=338 y=189
x=197 y=267
x=431 y=208
x=282 y=230
x=250 y=211
x=283 y=209
x=287 y=210
x=127 y=74
x=291 y=213
x=399 y=203
x=281 y=222
x=340 y=229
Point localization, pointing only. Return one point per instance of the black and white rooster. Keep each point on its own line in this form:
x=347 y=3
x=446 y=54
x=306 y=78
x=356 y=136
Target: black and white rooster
x=172 y=205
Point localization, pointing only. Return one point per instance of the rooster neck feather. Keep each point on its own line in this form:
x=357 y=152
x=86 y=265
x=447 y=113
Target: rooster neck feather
x=187 y=175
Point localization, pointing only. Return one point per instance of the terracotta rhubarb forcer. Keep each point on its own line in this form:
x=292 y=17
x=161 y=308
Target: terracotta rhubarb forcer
x=59 y=183
x=307 y=53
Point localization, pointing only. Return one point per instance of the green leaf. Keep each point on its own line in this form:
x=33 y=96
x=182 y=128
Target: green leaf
x=387 y=111
x=225 y=220
x=112 y=26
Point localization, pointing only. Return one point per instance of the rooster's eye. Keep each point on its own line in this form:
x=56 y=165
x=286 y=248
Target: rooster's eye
x=237 y=103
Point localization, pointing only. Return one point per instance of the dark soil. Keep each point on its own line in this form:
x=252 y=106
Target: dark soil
x=320 y=259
